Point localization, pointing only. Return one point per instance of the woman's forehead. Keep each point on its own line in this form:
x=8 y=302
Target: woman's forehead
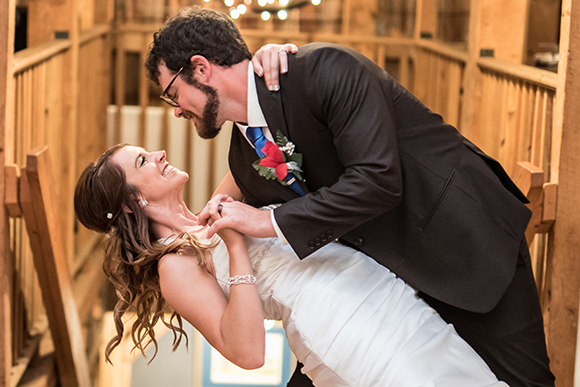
x=127 y=155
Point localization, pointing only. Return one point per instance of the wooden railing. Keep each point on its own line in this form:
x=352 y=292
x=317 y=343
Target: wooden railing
x=46 y=104
x=512 y=119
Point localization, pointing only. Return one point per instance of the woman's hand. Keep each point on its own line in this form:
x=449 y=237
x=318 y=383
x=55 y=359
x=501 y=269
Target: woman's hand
x=272 y=59
x=231 y=237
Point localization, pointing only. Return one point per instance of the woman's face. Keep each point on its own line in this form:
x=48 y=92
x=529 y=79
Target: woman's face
x=150 y=172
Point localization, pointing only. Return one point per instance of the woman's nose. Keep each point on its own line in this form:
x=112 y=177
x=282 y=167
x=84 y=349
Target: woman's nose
x=160 y=156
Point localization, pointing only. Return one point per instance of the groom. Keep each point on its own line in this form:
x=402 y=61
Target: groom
x=371 y=166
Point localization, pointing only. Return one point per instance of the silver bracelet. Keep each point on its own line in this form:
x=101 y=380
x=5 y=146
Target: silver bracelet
x=242 y=279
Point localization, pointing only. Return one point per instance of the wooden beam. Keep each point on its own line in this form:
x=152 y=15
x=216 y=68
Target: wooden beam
x=7 y=16
x=11 y=188
x=38 y=202
x=563 y=273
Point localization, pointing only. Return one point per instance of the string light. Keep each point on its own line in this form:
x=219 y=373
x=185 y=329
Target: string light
x=281 y=7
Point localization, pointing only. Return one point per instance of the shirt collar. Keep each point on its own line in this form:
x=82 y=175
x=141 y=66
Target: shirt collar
x=255 y=115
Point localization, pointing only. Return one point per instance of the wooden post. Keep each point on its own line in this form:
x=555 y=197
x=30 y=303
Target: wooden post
x=7 y=13
x=47 y=17
x=426 y=19
x=562 y=298
x=503 y=28
x=472 y=73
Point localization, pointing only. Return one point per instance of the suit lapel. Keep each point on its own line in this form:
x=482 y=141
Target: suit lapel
x=271 y=105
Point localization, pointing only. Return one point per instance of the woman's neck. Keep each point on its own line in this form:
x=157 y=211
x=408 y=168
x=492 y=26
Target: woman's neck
x=171 y=219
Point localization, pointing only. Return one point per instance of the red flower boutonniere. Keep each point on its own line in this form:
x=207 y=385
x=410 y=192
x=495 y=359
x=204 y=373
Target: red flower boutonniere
x=279 y=159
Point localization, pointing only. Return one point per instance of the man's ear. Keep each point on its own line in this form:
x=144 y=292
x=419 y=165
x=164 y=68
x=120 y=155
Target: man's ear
x=201 y=68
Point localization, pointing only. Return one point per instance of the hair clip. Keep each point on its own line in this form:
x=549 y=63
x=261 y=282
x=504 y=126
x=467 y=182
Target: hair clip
x=109 y=215
x=144 y=202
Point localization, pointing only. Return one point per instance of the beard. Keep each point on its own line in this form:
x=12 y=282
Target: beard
x=206 y=126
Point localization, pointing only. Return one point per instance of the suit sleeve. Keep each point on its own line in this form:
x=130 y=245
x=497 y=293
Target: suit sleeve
x=352 y=97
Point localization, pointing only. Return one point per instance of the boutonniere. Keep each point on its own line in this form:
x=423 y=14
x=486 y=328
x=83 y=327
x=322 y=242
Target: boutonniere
x=278 y=160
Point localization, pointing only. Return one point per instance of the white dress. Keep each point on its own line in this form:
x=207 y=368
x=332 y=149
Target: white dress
x=352 y=322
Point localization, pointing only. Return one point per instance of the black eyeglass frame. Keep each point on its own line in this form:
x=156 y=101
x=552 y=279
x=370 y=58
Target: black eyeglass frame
x=165 y=97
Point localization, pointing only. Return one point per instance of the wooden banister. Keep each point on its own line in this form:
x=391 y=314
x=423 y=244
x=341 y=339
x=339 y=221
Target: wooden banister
x=542 y=197
x=39 y=208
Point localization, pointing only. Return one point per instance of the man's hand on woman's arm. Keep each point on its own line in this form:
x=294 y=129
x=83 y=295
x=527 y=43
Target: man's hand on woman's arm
x=271 y=60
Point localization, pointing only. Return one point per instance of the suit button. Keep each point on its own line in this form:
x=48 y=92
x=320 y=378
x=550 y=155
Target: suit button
x=323 y=237
x=317 y=241
x=311 y=245
x=358 y=241
x=329 y=234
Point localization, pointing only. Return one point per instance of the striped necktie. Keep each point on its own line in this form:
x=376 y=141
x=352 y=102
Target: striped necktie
x=256 y=136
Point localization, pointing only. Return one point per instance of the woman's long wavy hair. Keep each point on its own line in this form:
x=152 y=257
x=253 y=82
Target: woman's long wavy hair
x=106 y=203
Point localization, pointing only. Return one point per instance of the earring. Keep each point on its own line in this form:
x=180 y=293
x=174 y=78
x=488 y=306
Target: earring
x=143 y=202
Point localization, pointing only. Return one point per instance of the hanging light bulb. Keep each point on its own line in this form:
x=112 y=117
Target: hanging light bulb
x=282 y=14
x=234 y=13
x=265 y=15
x=315 y=2
x=247 y=2
x=207 y=1
x=262 y=3
x=283 y=3
x=271 y=1
x=242 y=9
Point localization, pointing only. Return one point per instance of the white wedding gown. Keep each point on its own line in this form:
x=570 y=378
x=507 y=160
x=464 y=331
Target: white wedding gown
x=352 y=322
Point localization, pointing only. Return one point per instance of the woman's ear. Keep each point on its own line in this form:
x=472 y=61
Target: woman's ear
x=127 y=209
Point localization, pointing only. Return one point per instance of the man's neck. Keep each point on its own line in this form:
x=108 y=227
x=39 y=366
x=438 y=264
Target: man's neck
x=233 y=85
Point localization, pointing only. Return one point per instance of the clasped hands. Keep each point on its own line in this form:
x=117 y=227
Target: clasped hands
x=222 y=212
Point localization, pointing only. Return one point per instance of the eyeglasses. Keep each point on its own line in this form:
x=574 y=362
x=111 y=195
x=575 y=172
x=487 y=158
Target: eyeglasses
x=165 y=97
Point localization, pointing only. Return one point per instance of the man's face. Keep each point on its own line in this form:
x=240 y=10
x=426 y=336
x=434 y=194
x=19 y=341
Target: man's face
x=197 y=102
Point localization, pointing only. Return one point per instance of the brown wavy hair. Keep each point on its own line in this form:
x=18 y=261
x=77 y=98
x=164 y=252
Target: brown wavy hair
x=106 y=203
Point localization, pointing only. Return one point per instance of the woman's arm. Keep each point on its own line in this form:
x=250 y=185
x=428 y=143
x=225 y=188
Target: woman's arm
x=234 y=328
x=229 y=187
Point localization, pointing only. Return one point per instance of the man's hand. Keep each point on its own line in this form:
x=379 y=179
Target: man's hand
x=272 y=59
x=220 y=213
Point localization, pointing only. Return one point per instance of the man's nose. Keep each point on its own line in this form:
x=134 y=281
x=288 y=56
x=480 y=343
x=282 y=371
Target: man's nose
x=178 y=112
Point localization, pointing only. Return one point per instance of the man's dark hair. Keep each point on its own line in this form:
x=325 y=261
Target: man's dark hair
x=196 y=31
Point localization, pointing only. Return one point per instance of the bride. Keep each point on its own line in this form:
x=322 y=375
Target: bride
x=349 y=320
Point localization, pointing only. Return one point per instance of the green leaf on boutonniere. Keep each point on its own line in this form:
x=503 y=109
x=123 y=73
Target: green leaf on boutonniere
x=268 y=173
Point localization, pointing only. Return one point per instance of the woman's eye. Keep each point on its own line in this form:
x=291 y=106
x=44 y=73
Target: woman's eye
x=143 y=161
